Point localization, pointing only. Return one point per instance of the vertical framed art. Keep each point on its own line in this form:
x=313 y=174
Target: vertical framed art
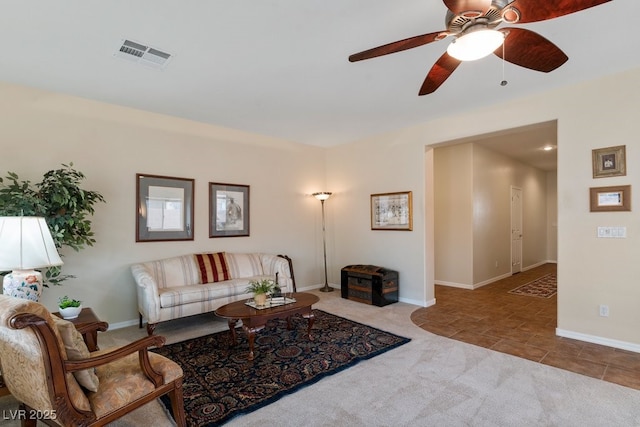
x=609 y=161
x=164 y=208
x=228 y=210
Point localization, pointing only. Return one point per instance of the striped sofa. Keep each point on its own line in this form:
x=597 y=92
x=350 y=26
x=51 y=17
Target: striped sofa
x=199 y=283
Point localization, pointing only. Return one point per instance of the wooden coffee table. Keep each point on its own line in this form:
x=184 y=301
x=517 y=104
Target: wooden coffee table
x=254 y=320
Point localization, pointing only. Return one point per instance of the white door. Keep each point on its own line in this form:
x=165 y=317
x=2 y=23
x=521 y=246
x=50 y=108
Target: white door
x=516 y=230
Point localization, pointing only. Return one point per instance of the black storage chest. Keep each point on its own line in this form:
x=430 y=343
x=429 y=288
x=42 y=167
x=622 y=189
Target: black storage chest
x=369 y=284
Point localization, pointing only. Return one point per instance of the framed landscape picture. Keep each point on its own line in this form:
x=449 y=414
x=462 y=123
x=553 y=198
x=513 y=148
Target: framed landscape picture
x=228 y=210
x=392 y=211
x=609 y=161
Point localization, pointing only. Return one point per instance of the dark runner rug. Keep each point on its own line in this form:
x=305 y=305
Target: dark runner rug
x=220 y=383
x=544 y=287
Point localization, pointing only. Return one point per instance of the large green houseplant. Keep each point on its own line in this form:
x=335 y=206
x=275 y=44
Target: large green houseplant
x=61 y=201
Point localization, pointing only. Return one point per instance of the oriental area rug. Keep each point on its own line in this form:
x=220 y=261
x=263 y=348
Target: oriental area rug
x=544 y=287
x=220 y=382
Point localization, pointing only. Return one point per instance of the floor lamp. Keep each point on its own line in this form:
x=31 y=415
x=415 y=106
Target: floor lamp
x=322 y=196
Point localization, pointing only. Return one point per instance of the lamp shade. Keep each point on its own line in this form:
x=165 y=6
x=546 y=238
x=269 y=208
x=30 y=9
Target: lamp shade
x=323 y=195
x=26 y=243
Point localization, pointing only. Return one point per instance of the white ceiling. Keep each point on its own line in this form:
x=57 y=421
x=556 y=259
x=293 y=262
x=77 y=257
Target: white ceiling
x=280 y=68
x=526 y=144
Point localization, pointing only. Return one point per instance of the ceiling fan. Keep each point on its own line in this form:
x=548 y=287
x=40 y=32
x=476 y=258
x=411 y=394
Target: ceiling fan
x=473 y=24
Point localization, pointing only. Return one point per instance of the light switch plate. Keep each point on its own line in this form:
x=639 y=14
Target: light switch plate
x=612 y=232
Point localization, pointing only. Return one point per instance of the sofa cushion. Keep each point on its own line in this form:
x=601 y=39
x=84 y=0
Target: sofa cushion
x=176 y=271
x=244 y=265
x=76 y=350
x=183 y=295
x=213 y=267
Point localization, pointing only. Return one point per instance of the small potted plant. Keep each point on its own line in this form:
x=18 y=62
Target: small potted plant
x=260 y=289
x=69 y=308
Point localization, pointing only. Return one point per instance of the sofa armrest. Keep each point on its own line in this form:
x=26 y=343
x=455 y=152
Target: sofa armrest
x=281 y=264
x=148 y=294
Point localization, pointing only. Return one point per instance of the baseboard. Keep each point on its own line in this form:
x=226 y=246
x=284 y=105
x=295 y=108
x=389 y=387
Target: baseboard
x=489 y=281
x=623 y=345
x=454 y=284
x=125 y=324
x=417 y=303
x=474 y=286
x=339 y=288
x=493 y=279
x=316 y=287
x=336 y=288
x=538 y=264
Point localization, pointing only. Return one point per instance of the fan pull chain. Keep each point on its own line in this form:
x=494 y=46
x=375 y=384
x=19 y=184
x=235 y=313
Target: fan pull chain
x=503 y=82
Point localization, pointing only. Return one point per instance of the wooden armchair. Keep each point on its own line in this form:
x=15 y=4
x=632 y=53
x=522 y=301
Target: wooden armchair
x=40 y=375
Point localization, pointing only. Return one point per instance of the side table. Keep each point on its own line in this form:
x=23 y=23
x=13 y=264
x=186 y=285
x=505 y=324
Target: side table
x=88 y=324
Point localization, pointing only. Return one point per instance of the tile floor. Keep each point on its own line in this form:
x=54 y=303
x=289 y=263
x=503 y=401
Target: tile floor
x=522 y=326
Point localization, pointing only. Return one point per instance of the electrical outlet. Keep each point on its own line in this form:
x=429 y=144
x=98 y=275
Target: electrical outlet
x=604 y=310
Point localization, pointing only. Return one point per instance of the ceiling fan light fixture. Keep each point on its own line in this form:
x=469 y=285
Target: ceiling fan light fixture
x=475 y=45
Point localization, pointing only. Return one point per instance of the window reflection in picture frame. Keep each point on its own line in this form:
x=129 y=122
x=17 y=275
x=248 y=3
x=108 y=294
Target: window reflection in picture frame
x=164 y=208
x=610 y=199
x=228 y=210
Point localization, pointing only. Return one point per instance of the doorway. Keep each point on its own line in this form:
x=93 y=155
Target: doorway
x=516 y=230
x=501 y=186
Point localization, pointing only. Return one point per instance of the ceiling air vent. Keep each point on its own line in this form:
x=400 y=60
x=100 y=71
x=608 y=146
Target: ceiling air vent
x=142 y=54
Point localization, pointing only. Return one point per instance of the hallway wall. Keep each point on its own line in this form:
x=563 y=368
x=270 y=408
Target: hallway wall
x=473 y=214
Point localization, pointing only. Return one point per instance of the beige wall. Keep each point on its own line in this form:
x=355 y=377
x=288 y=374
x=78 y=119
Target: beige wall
x=383 y=164
x=494 y=175
x=453 y=215
x=591 y=271
x=110 y=144
x=552 y=216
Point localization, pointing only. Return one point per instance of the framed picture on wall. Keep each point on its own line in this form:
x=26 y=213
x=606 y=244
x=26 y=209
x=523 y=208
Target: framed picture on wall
x=610 y=199
x=228 y=210
x=609 y=161
x=164 y=208
x=392 y=211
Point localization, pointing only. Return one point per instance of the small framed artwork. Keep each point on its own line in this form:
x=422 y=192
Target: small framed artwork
x=228 y=210
x=391 y=211
x=609 y=161
x=608 y=199
x=164 y=208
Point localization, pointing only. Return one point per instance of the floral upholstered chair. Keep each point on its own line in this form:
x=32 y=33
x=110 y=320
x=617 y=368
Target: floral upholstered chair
x=48 y=369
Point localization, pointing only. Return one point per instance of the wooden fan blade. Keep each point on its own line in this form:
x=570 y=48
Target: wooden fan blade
x=530 y=50
x=468 y=8
x=539 y=10
x=441 y=70
x=394 y=47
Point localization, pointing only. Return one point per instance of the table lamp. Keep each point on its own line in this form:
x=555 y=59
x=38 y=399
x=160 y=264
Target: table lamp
x=25 y=244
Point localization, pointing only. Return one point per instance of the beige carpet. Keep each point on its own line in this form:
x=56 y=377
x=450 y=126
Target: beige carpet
x=430 y=381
